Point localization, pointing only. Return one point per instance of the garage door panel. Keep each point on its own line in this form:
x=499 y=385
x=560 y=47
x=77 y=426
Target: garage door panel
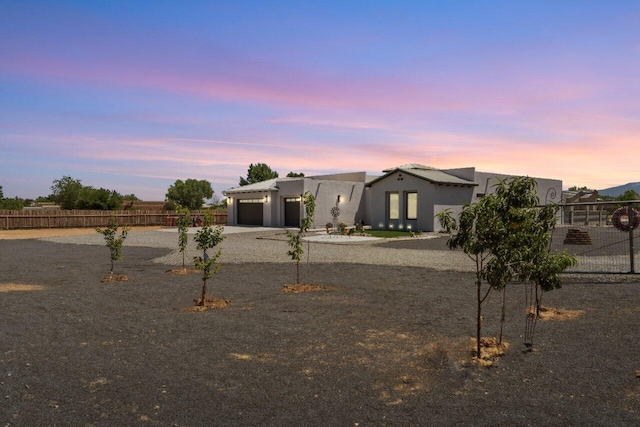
x=250 y=212
x=292 y=212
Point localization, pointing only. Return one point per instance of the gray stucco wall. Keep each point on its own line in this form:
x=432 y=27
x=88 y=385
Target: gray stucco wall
x=549 y=190
x=232 y=208
x=432 y=198
x=326 y=192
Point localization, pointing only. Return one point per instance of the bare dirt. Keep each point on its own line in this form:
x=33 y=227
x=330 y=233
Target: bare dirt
x=296 y=289
x=183 y=271
x=388 y=345
x=116 y=278
x=210 y=303
x=55 y=232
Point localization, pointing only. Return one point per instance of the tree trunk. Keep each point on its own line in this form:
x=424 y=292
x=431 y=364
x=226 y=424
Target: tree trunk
x=504 y=313
x=298 y=272
x=479 y=319
x=204 y=293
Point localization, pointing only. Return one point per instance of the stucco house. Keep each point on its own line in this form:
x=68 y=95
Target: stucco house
x=406 y=197
x=277 y=202
x=409 y=197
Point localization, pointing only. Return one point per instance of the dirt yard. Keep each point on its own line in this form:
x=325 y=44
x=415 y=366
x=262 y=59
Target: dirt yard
x=375 y=345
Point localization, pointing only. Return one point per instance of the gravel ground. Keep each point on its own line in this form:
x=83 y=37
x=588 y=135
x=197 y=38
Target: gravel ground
x=386 y=343
x=271 y=246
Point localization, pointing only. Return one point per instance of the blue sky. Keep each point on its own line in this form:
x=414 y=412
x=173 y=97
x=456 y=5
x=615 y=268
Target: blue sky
x=134 y=95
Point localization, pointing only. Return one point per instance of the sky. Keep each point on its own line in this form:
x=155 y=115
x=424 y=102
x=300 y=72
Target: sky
x=133 y=95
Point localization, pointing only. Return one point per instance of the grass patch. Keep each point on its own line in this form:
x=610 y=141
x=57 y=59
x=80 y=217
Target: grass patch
x=388 y=233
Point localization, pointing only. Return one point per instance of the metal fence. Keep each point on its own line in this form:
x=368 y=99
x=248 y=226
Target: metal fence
x=604 y=236
x=11 y=219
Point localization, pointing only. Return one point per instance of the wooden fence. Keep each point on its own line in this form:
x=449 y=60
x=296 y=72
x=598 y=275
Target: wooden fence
x=10 y=219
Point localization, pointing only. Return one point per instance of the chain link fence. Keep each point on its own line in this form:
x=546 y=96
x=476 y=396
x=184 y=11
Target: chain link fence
x=604 y=236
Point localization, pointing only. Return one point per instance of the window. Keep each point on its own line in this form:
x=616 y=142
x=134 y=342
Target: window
x=250 y=200
x=412 y=205
x=394 y=206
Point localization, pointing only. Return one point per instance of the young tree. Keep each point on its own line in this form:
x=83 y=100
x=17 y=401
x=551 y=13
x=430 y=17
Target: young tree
x=208 y=238
x=258 y=173
x=112 y=242
x=183 y=221
x=190 y=193
x=295 y=239
x=507 y=236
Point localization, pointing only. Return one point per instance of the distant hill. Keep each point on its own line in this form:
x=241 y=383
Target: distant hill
x=616 y=191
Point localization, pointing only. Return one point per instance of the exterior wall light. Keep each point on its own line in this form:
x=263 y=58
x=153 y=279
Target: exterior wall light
x=266 y=199
x=338 y=198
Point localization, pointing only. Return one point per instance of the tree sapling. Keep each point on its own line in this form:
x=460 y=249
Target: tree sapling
x=183 y=221
x=295 y=239
x=208 y=238
x=112 y=242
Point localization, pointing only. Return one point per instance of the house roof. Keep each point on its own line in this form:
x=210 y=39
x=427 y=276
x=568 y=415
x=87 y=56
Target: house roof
x=410 y=166
x=427 y=173
x=269 y=184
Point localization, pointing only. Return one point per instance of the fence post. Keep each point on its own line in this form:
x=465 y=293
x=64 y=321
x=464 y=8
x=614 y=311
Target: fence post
x=630 y=217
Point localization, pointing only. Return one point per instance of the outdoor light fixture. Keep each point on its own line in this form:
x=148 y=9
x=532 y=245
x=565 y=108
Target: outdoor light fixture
x=266 y=199
x=338 y=198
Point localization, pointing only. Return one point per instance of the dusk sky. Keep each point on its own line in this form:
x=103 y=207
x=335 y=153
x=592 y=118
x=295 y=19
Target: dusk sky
x=132 y=95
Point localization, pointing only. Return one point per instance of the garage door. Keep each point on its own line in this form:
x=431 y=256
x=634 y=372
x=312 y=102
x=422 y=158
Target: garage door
x=292 y=212
x=250 y=212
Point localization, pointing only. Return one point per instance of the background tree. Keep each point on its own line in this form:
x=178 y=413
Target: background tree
x=295 y=175
x=190 y=193
x=10 y=204
x=208 y=238
x=66 y=192
x=258 y=173
x=507 y=236
x=112 y=242
x=99 y=199
x=183 y=221
x=628 y=196
x=14 y=204
x=576 y=188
